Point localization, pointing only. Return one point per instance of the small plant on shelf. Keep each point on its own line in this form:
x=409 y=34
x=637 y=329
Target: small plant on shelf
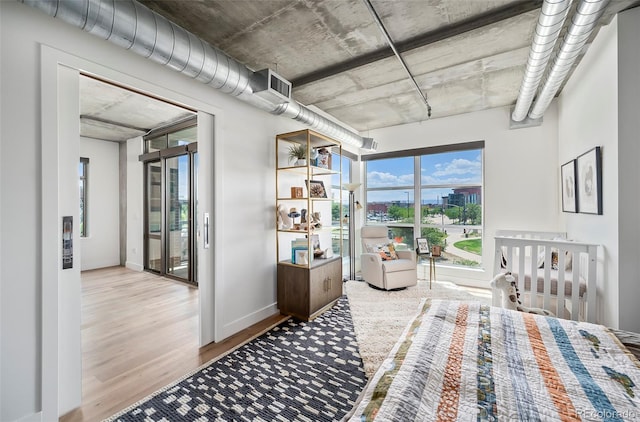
x=297 y=154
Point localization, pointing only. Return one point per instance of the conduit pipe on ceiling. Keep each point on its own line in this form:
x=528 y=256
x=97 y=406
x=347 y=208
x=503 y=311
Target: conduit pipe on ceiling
x=583 y=22
x=552 y=16
x=135 y=27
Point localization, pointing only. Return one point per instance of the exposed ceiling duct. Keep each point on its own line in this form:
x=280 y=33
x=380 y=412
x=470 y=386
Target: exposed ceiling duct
x=547 y=32
x=135 y=27
x=583 y=22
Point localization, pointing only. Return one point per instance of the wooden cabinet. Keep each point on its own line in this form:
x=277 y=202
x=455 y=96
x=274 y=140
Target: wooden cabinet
x=307 y=292
x=309 y=231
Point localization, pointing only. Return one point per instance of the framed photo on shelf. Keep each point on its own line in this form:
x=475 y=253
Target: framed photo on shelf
x=324 y=158
x=568 y=177
x=316 y=189
x=315 y=241
x=423 y=246
x=301 y=256
x=589 y=182
x=296 y=192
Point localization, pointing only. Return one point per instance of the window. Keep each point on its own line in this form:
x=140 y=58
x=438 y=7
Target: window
x=83 y=172
x=337 y=218
x=443 y=185
x=182 y=133
x=390 y=192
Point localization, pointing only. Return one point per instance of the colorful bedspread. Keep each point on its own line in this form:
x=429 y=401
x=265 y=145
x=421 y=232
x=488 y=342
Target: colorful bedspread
x=471 y=362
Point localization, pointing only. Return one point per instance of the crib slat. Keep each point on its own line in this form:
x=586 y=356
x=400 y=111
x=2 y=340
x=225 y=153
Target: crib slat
x=521 y=277
x=560 y=287
x=547 y=273
x=497 y=267
x=591 y=285
x=560 y=284
x=575 y=292
x=534 y=280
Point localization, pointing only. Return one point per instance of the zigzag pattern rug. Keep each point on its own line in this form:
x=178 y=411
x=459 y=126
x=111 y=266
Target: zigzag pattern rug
x=306 y=371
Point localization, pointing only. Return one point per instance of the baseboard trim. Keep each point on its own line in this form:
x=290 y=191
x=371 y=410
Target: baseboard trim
x=35 y=417
x=133 y=266
x=240 y=324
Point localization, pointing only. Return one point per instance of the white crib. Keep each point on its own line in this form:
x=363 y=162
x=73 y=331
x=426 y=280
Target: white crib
x=521 y=252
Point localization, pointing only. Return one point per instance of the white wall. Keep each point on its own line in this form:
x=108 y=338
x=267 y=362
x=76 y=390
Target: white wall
x=135 y=205
x=520 y=173
x=19 y=243
x=1 y=206
x=244 y=197
x=101 y=247
x=588 y=115
x=628 y=168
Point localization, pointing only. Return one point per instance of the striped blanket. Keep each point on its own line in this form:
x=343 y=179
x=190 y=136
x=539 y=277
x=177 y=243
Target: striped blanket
x=471 y=362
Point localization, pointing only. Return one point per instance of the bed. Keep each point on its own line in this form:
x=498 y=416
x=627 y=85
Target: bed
x=553 y=261
x=470 y=361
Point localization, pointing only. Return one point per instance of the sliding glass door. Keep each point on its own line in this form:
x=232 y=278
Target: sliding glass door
x=170 y=162
x=153 y=232
x=179 y=216
x=170 y=211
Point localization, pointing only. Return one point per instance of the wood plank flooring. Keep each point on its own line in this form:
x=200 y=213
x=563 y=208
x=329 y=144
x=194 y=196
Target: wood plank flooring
x=139 y=333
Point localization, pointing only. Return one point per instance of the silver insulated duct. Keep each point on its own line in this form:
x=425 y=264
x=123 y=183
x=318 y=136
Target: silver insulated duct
x=547 y=32
x=135 y=27
x=583 y=22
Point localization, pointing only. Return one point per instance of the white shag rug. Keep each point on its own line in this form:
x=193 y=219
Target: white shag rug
x=379 y=316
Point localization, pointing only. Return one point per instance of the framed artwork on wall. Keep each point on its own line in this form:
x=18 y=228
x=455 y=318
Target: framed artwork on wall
x=568 y=178
x=589 y=182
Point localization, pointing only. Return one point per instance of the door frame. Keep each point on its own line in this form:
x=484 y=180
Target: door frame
x=61 y=381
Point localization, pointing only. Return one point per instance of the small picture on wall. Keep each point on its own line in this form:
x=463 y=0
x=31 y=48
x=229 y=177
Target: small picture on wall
x=589 y=182
x=568 y=177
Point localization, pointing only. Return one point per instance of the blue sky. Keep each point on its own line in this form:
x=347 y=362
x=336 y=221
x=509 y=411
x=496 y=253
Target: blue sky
x=450 y=168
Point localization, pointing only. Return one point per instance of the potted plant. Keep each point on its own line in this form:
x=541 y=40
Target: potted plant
x=298 y=153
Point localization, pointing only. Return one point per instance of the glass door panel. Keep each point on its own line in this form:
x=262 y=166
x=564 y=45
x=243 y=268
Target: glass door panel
x=154 y=216
x=178 y=213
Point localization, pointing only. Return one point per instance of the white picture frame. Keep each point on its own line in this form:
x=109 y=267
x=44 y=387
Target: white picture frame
x=302 y=256
x=568 y=180
x=423 y=246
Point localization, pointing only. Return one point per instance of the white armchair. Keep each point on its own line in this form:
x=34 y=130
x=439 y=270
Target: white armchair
x=385 y=274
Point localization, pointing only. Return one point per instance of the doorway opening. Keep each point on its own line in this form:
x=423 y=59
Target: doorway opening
x=170 y=205
x=62 y=351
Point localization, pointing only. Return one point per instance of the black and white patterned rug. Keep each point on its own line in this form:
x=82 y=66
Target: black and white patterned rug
x=307 y=371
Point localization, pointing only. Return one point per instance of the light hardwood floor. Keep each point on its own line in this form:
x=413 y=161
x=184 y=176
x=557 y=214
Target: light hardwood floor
x=139 y=333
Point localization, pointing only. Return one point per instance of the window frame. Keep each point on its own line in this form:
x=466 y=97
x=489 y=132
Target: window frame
x=417 y=225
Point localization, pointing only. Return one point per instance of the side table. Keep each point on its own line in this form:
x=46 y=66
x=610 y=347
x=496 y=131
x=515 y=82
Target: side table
x=432 y=265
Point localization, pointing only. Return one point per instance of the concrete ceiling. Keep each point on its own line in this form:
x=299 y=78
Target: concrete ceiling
x=113 y=113
x=464 y=55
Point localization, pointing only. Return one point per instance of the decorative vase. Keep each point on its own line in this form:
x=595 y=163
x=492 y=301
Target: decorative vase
x=301 y=162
